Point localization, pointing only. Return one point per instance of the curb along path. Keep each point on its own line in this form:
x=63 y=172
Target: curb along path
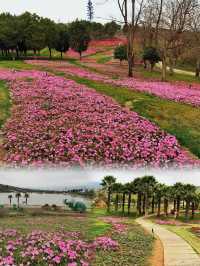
x=177 y=252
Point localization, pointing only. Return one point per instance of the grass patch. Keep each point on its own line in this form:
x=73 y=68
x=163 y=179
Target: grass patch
x=4 y=103
x=135 y=248
x=187 y=235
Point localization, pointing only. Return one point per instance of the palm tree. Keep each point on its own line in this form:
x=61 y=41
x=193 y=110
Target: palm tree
x=148 y=184
x=137 y=186
x=117 y=188
x=189 y=194
x=178 y=191
x=107 y=184
x=195 y=203
x=26 y=196
x=159 y=193
x=18 y=196
x=10 y=199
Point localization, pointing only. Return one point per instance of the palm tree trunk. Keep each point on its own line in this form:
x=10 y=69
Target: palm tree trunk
x=153 y=205
x=166 y=204
x=187 y=209
x=109 y=199
x=129 y=203
x=139 y=204
x=123 y=202
x=178 y=209
x=159 y=206
x=193 y=210
x=144 y=204
x=174 y=205
x=116 y=202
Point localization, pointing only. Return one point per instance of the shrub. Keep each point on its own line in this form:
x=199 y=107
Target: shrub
x=120 y=53
x=152 y=56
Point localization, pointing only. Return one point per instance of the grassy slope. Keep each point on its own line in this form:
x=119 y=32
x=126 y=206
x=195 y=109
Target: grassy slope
x=4 y=103
x=181 y=120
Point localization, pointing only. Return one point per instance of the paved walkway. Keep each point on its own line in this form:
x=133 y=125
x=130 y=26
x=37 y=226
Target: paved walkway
x=177 y=252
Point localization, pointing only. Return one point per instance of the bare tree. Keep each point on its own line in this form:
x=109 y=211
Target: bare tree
x=131 y=12
x=195 y=41
x=175 y=21
x=150 y=23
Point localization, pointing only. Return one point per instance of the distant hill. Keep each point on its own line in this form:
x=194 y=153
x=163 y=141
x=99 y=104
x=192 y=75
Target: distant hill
x=9 y=189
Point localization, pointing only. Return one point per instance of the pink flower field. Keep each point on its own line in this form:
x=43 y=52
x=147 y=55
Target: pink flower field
x=179 y=91
x=57 y=248
x=56 y=121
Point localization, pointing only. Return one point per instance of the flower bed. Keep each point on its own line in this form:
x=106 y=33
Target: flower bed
x=58 y=248
x=59 y=122
x=178 y=91
x=168 y=222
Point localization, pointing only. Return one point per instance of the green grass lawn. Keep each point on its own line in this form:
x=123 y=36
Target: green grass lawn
x=4 y=103
x=135 y=244
x=187 y=235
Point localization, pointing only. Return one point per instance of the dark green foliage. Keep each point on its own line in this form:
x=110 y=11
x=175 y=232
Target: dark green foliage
x=120 y=53
x=62 y=39
x=152 y=56
x=111 y=28
x=79 y=36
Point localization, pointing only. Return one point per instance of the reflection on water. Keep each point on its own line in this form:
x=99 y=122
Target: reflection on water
x=39 y=199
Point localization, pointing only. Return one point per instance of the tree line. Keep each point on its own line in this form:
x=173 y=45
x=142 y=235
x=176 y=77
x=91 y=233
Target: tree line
x=151 y=197
x=19 y=34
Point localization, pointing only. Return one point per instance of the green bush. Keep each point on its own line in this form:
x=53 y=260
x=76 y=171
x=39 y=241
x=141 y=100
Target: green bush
x=152 y=56
x=120 y=53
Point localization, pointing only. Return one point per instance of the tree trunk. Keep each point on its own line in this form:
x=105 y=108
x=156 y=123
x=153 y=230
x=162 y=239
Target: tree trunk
x=164 y=69
x=18 y=202
x=129 y=203
x=178 y=209
x=10 y=202
x=174 y=205
x=187 y=209
x=146 y=205
x=166 y=204
x=50 y=53
x=116 y=202
x=153 y=205
x=109 y=199
x=139 y=204
x=198 y=68
x=159 y=206
x=193 y=210
x=61 y=55
x=80 y=56
x=123 y=202
x=171 y=66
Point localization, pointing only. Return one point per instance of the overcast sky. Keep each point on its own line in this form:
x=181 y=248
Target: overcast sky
x=60 y=178
x=61 y=10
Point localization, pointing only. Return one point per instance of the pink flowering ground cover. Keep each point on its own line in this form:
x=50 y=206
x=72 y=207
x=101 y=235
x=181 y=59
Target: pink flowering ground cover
x=51 y=123
x=117 y=223
x=178 y=91
x=50 y=248
x=56 y=121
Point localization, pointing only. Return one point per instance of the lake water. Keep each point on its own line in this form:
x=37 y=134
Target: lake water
x=39 y=199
